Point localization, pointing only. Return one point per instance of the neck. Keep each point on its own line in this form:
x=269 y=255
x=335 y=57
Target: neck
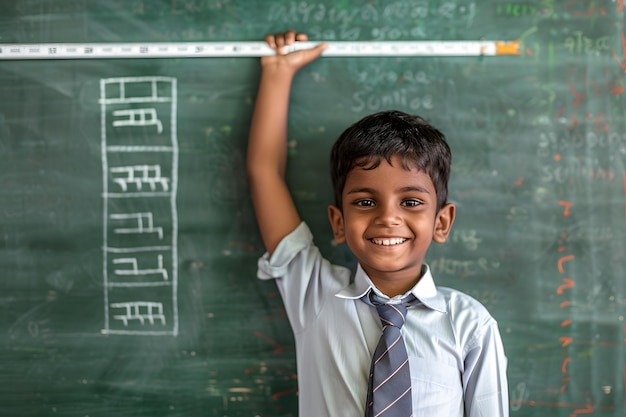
x=391 y=289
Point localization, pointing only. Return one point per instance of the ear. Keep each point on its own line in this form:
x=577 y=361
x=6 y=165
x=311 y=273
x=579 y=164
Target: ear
x=335 y=216
x=443 y=222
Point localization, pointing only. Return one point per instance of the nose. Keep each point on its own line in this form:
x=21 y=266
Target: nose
x=388 y=215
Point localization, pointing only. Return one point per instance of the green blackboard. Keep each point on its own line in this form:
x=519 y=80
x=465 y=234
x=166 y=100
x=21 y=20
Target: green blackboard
x=539 y=177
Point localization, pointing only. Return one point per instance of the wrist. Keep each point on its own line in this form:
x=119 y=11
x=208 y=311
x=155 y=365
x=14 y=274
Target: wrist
x=278 y=67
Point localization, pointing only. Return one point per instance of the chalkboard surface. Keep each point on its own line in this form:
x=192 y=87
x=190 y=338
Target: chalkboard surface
x=128 y=244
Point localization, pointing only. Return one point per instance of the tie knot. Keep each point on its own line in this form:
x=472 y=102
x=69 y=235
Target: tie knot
x=392 y=314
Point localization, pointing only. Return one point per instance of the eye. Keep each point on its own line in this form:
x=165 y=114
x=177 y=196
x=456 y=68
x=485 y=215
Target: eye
x=411 y=203
x=365 y=203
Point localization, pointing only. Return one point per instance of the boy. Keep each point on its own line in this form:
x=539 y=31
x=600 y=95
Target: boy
x=390 y=174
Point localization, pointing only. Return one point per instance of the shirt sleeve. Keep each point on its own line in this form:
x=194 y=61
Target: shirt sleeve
x=292 y=245
x=484 y=378
x=304 y=278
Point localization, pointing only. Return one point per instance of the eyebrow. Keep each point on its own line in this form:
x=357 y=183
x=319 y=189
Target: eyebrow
x=411 y=188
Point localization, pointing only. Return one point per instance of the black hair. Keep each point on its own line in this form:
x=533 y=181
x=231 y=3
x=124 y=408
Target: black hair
x=387 y=134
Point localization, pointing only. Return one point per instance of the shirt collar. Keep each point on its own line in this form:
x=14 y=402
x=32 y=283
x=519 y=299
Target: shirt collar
x=425 y=290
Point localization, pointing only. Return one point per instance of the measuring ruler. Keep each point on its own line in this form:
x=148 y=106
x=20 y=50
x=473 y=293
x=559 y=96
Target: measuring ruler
x=252 y=49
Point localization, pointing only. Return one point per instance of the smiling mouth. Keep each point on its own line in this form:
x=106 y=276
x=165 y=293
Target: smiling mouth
x=388 y=242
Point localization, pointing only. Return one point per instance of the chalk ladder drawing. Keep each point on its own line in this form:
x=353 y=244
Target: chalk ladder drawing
x=140 y=221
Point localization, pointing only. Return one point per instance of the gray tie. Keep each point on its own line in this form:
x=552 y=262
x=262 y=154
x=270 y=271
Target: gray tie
x=389 y=390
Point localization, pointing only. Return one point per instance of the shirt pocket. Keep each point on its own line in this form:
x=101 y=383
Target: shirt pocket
x=437 y=389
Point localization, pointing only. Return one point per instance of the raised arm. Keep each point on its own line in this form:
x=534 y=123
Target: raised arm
x=267 y=146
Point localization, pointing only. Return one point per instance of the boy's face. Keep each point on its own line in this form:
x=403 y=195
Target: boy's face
x=389 y=220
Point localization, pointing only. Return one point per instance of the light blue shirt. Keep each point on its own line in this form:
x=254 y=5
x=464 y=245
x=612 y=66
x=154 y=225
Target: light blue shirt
x=455 y=351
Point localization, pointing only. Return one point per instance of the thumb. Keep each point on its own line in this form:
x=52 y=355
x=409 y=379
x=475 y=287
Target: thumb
x=309 y=55
x=319 y=49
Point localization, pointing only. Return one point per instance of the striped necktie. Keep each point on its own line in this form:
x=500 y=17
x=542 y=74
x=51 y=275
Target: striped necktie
x=389 y=390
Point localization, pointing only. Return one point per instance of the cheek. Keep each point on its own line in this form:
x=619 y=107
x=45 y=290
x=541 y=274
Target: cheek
x=355 y=221
x=350 y=224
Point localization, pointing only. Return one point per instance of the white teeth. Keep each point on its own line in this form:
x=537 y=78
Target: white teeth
x=389 y=242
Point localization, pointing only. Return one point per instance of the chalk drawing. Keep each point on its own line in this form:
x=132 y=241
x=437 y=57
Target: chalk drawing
x=135 y=271
x=140 y=286
x=139 y=175
x=138 y=117
x=141 y=311
x=144 y=224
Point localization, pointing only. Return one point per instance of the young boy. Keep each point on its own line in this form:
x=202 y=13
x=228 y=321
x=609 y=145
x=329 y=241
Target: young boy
x=390 y=173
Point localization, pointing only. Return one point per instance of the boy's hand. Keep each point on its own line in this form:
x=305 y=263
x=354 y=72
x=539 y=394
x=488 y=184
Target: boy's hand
x=294 y=60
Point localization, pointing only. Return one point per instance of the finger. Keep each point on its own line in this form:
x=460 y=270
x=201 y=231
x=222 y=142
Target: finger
x=302 y=37
x=290 y=36
x=279 y=38
x=270 y=40
x=280 y=43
